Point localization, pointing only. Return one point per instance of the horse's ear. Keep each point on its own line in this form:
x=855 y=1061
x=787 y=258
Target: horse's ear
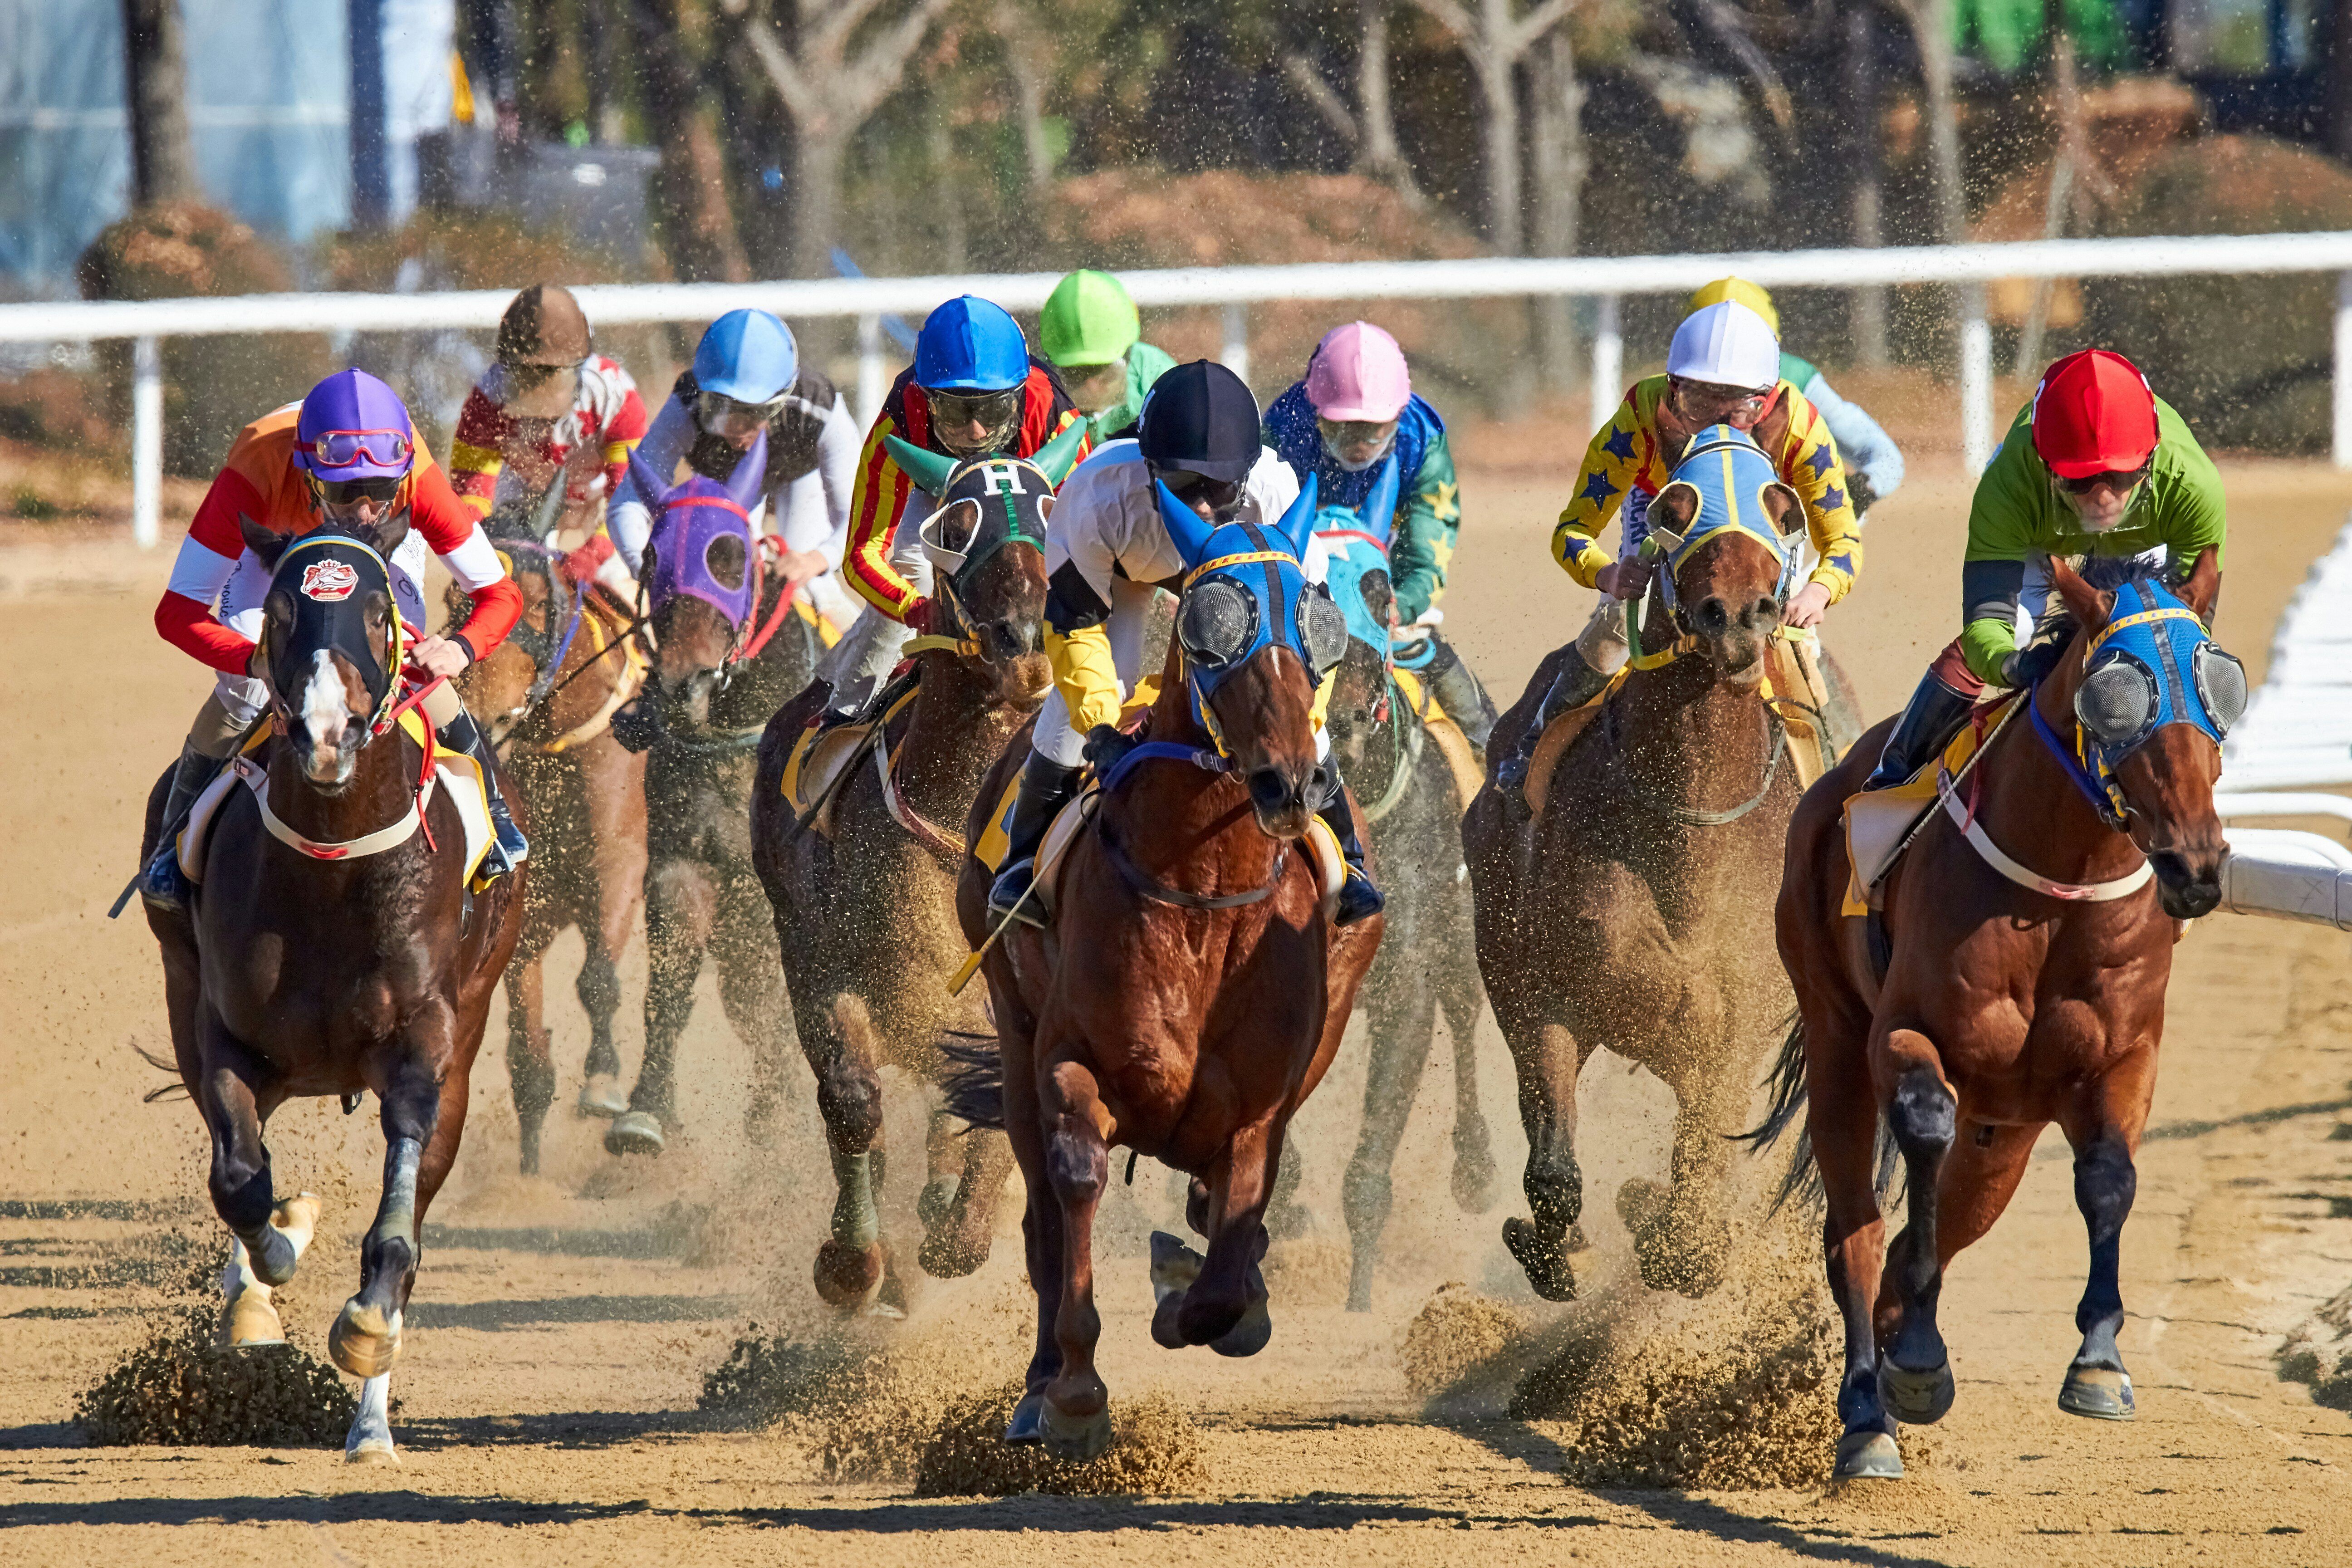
x=389 y=535
x=1186 y=529
x=1672 y=513
x=265 y=544
x=2085 y=603
x=750 y=475
x=1298 y=524
x=1060 y=455
x=930 y=470
x=1786 y=510
x=653 y=487
x=1379 y=507
x=2202 y=592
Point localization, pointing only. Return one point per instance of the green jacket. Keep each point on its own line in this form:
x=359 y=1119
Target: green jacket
x=2019 y=512
x=1428 y=525
x=1145 y=364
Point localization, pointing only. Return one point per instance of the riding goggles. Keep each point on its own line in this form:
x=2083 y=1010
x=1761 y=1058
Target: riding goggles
x=382 y=488
x=996 y=412
x=1705 y=402
x=347 y=448
x=1222 y=495
x=723 y=415
x=2113 y=479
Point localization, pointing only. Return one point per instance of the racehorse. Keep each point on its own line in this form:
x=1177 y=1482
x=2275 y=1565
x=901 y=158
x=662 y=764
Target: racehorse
x=1201 y=991
x=1990 y=999
x=1412 y=802
x=547 y=696
x=864 y=900
x=1630 y=912
x=730 y=650
x=334 y=945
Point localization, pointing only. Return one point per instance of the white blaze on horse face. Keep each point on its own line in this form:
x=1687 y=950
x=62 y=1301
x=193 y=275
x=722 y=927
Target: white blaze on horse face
x=326 y=708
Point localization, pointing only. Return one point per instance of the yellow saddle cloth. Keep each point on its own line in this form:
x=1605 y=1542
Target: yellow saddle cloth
x=1879 y=823
x=1452 y=743
x=821 y=758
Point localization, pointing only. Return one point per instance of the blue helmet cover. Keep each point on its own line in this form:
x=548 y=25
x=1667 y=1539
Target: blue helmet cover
x=748 y=356
x=971 y=345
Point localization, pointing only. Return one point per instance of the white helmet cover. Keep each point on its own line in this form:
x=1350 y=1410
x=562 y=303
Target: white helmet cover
x=1728 y=344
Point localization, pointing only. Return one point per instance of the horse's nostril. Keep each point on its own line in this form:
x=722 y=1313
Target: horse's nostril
x=1318 y=787
x=1270 y=790
x=1767 y=610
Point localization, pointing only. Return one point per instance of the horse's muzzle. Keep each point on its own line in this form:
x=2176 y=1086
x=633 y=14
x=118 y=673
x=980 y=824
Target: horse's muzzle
x=1735 y=635
x=1284 y=798
x=2187 y=892
x=1004 y=640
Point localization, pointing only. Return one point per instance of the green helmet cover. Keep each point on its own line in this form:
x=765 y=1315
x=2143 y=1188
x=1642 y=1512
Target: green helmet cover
x=1088 y=319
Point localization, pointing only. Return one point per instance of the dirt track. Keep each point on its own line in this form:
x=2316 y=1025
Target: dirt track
x=562 y=1326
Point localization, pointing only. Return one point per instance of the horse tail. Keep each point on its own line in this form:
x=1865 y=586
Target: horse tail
x=165 y=1091
x=974 y=1081
x=1802 y=1179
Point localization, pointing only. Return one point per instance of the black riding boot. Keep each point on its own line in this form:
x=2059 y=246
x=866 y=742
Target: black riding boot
x=162 y=883
x=1465 y=699
x=1933 y=717
x=1577 y=684
x=508 y=848
x=1358 y=896
x=1047 y=786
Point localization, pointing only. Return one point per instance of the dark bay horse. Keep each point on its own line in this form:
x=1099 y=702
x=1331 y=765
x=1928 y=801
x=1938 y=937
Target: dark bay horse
x=333 y=947
x=547 y=696
x=730 y=651
x=1985 y=1009
x=1428 y=963
x=865 y=910
x=1631 y=913
x=1190 y=991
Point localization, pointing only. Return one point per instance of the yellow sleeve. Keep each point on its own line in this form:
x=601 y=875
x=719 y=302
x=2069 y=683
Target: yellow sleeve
x=1611 y=462
x=1810 y=463
x=1086 y=675
x=1323 y=698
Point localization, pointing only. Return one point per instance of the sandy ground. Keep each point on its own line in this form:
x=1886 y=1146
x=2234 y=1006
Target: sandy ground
x=563 y=1325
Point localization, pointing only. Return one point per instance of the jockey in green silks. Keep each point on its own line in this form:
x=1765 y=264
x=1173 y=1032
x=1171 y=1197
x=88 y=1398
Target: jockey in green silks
x=1092 y=335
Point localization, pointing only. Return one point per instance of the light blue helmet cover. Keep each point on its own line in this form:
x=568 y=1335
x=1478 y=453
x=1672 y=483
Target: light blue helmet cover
x=748 y=356
x=971 y=345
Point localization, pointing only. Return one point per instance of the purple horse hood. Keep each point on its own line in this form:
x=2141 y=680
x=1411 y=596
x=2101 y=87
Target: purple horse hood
x=691 y=522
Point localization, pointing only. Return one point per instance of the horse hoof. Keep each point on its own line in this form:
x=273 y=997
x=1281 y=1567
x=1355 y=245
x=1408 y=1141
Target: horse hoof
x=847 y=1276
x=945 y=1254
x=1473 y=1183
x=1028 y=1423
x=936 y=1200
x=1544 y=1261
x=601 y=1097
x=635 y=1132
x=365 y=1341
x=1921 y=1398
x=373 y=1451
x=1174 y=1266
x=2103 y=1393
x=1868 y=1456
x=1249 y=1336
x=249 y=1323
x=1073 y=1440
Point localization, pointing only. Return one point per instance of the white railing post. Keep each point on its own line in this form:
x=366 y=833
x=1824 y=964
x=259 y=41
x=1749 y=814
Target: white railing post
x=1976 y=380
x=2342 y=404
x=1235 y=354
x=146 y=441
x=1608 y=360
x=872 y=384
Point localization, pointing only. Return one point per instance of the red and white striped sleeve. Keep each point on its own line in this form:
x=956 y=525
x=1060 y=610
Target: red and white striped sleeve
x=183 y=617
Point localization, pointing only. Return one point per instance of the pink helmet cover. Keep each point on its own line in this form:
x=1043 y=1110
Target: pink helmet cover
x=1358 y=373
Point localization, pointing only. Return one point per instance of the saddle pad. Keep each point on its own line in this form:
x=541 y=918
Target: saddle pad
x=1452 y=743
x=821 y=756
x=1878 y=821
x=1556 y=739
x=1792 y=669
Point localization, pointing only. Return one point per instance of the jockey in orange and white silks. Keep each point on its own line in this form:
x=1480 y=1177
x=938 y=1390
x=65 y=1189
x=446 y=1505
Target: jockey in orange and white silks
x=1107 y=556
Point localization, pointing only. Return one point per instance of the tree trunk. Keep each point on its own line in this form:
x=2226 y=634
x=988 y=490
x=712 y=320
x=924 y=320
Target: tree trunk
x=1028 y=93
x=947 y=193
x=820 y=152
x=1377 y=152
x=1559 y=170
x=692 y=188
x=1866 y=157
x=1505 y=227
x=1931 y=29
x=155 y=71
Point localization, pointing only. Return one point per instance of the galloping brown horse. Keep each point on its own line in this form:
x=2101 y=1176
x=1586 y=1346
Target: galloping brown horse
x=1982 y=1008
x=333 y=947
x=865 y=904
x=1630 y=913
x=547 y=696
x=1189 y=992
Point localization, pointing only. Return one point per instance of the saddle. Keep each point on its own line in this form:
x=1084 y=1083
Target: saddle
x=1880 y=823
x=1452 y=743
x=821 y=758
x=452 y=771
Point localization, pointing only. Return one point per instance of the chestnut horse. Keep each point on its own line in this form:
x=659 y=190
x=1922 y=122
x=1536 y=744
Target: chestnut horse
x=333 y=947
x=1190 y=991
x=547 y=696
x=730 y=650
x=1991 y=1001
x=1428 y=963
x=1630 y=913
x=865 y=912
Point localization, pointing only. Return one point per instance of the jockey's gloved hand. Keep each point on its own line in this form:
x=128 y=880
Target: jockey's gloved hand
x=919 y=615
x=1858 y=490
x=2027 y=666
x=1106 y=744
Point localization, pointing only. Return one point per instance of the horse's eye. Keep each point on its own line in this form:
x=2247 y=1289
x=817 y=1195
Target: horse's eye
x=2117 y=700
x=1217 y=622
x=2220 y=685
x=724 y=558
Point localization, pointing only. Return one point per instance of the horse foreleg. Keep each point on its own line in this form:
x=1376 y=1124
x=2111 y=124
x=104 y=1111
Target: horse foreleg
x=1402 y=1019
x=958 y=1241
x=1915 y=1374
x=1076 y=1407
x=230 y=1093
x=1459 y=997
x=1841 y=1121
x=680 y=907
x=248 y=1317
x=836 y=1040
x=751 y=990
x=531 y=1059
x=1547 y=1060
x=2106 y=1136
x=1681 y=1238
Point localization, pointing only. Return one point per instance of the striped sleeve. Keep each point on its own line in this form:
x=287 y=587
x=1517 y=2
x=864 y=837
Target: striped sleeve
x=875 y=502
x=621 y=435
x=475 y=458
x=183 y=617
x=1809 y=462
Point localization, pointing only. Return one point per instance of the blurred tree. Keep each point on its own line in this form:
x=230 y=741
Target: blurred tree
x=691 y=195
x=156 y=82
x=1370 y=127
x=1495 y=39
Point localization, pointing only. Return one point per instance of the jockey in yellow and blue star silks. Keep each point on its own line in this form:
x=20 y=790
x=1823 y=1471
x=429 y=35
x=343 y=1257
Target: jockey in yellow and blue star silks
x=1723 y=368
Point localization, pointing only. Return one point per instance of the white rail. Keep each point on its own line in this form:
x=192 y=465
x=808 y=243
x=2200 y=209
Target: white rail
x=1601 y=277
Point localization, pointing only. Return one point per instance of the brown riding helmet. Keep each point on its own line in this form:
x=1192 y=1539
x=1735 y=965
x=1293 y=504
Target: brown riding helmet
x=543 y=326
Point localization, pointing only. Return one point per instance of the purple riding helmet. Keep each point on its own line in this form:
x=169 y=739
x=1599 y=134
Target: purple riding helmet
x=692 y=524
x=354 y=426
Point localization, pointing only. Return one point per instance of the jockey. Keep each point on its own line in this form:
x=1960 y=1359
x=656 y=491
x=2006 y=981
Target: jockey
x=1873 y=464
x=747 y=377
x=548 y=396
x=2095 y=465
x=1355 y=405
x=346 y=456
x=974 y=389
x=1723 y=368
x=1091 y=332
x=1107 y=556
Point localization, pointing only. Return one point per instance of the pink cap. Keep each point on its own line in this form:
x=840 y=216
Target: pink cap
x=1358 y=373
